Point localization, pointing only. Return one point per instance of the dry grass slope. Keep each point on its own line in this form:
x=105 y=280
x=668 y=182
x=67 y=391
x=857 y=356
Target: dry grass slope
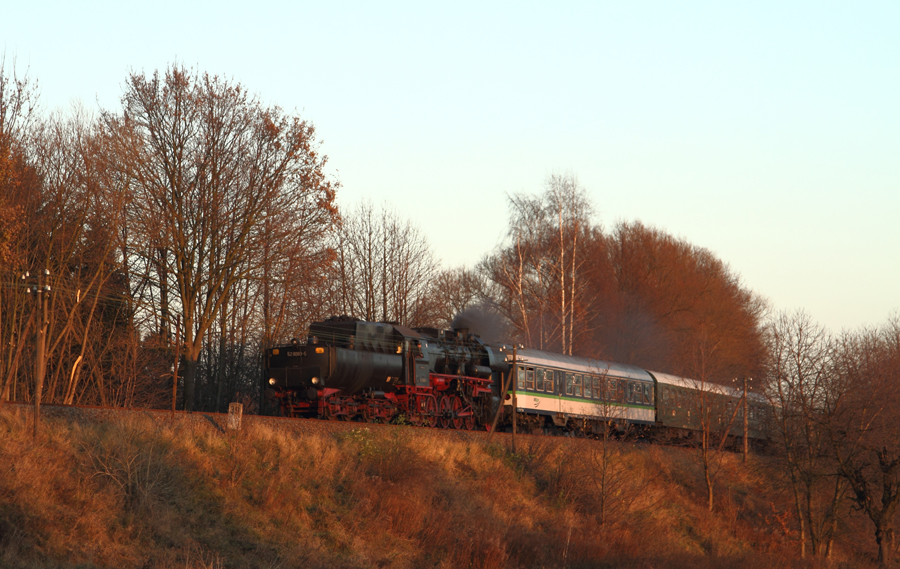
x=149 y=491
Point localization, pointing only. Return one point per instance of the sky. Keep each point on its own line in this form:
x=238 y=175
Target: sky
x=766 y=132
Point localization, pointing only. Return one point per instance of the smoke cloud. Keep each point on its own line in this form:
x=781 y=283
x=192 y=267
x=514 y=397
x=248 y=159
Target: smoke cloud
x=483 y=322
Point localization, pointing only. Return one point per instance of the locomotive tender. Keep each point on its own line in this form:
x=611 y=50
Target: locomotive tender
x=350 y=369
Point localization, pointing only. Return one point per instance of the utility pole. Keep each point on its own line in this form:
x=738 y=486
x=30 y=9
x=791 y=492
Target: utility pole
x=42 y=295
x=746 y=422
x=177 y=362
x=515 y=410
x=505 y=388
x=510 y=379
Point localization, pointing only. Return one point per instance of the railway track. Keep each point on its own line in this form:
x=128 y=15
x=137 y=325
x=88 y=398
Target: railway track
x=200 y=421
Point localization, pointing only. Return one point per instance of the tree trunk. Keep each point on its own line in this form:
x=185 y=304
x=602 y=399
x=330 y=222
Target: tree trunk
x=190 y=377
x=882 y=541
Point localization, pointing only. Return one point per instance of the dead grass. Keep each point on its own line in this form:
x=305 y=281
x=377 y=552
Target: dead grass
x=146 y=491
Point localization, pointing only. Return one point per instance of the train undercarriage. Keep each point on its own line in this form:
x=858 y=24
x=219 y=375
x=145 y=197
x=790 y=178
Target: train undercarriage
x=449 y=401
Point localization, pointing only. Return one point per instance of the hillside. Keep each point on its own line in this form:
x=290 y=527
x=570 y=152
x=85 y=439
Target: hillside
x=148 y=489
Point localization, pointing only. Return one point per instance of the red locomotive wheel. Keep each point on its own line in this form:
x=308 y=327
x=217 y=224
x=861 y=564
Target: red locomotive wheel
x=431 y=412
x=470 y=420
x=457 y=407
x=445 y=410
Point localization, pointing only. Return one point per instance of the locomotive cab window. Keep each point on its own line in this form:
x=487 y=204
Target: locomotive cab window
x=648 y=399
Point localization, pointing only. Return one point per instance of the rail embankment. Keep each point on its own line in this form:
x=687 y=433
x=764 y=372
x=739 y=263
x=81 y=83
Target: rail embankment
x=114 y=488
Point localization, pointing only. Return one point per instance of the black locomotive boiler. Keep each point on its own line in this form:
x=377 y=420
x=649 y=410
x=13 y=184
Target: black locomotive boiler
x=376 y=371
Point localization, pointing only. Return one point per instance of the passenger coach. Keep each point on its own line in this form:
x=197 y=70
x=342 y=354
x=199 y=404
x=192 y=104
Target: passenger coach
x=553 y=389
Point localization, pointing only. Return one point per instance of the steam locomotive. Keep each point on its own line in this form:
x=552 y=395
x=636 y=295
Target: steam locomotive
x=351 y=369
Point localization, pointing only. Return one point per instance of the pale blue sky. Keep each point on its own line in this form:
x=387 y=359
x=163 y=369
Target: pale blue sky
x=767 y=132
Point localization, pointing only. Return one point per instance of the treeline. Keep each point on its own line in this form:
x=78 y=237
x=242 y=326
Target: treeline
x=197 y=224
x=191 y=224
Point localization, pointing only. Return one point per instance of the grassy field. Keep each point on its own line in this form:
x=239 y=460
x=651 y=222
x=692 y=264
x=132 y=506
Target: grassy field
x=141 y=490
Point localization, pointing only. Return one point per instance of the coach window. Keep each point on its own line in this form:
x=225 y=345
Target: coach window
x=548 y=381
x=568 y=384
x=521 y=381
x=529 y=379
x=577 y=385
x=611 y=390
x=560 y=380
x=629 y=392
x=539 y=379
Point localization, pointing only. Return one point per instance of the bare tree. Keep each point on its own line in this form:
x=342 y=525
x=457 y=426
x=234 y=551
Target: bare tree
x=209 y=165
x=452 y=292
x=383 y=268
x=801 y=379
x=57 y=180
x=570 y=208
x=538 y=277
x=864 y=427
x=18 y=191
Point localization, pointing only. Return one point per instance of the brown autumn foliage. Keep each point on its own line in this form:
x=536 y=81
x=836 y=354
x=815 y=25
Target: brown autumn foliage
x=677 y=308
x=140 y=490
x=635 y=295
